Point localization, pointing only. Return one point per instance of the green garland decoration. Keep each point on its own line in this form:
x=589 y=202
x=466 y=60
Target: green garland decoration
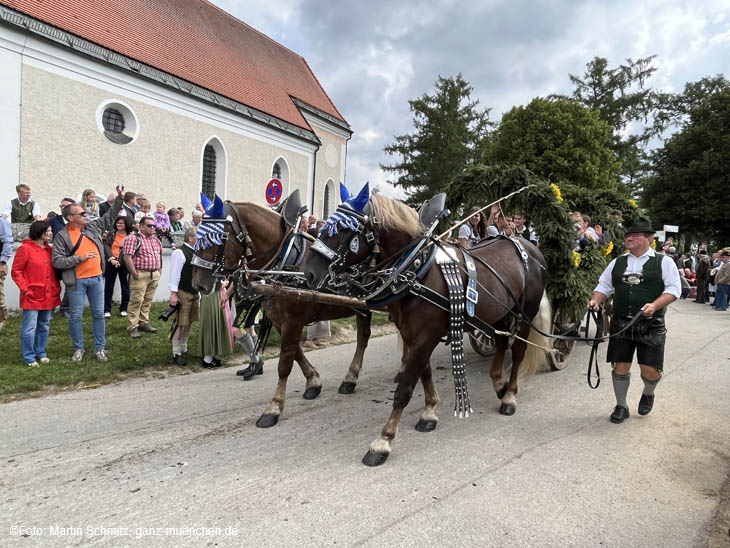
x=569 y=288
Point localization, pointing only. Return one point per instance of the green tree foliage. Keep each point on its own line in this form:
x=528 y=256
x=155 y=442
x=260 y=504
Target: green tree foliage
x=569 y=288
x=691 y=177
x=558 y=140
x=449 y=134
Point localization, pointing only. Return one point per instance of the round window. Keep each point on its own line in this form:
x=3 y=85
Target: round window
x=117 y=122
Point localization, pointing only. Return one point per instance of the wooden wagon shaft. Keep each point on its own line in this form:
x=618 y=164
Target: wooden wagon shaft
x=306 y=295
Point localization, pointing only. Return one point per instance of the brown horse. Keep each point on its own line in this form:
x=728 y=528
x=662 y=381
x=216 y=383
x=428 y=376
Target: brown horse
x=392 y=226
x=266 y=231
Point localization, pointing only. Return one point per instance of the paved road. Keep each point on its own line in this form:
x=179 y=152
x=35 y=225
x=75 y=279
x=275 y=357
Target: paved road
x=118 y=465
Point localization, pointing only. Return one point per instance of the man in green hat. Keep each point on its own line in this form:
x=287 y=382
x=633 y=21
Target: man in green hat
x=642 y=282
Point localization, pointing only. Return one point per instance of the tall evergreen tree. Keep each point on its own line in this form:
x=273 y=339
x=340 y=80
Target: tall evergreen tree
x=449 y=134
x=634 y=111
x=691 y=178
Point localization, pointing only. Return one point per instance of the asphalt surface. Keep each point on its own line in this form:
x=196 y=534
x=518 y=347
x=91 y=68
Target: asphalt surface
x=179 y=461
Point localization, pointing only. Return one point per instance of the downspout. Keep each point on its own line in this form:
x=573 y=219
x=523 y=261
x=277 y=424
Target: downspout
x=314 y=176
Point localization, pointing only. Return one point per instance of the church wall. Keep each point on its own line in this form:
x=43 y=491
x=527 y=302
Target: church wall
x=330 y=165
x=64 y=151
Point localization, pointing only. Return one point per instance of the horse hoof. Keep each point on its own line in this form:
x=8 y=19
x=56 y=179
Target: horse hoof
x=501 y=392
x=312 y=392
x=507 y=409
x=426 y=425
x=267 y=421
x=397 y=378
x=374 y=459
x=346 y=388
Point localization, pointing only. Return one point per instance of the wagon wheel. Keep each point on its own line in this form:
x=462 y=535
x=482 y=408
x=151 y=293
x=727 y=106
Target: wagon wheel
x=563 y=349
x=481 y=343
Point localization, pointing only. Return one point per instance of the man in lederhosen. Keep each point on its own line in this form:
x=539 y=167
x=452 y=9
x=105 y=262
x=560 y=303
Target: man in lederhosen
x=641 y=281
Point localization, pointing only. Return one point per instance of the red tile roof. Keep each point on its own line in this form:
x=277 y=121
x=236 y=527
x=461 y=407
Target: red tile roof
x=196 y=41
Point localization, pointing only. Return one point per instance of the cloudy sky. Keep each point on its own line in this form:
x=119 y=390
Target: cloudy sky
x=371 y=57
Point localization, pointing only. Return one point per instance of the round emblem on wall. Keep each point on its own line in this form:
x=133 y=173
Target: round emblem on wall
x=330 y=155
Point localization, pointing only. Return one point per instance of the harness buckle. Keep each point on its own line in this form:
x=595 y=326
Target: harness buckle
x=472 y=295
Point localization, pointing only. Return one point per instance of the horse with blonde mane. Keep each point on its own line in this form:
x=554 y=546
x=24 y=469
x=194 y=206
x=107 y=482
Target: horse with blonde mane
x=511 y=296
x=265 y=232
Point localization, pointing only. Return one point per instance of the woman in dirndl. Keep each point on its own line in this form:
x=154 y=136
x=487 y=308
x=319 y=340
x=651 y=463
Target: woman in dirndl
x=216 y=335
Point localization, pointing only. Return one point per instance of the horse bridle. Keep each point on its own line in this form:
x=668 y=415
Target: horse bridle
x=240 y=237
x=364 y=226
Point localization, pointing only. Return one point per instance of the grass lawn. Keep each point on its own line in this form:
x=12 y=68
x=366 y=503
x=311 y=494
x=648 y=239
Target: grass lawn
x=127 y=356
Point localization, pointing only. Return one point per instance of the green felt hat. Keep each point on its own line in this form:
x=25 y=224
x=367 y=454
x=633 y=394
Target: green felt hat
x=640 y=224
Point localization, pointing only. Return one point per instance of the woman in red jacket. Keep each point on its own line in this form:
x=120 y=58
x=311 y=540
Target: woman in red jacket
x=34 y=275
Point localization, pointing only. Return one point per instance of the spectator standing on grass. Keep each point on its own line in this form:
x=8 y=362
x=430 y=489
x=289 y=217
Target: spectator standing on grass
x=22 y=209
x=40 y=291
x=183 y=295
x=6 y=251
x=115 y=267
x=143 y=259
x=78 y=251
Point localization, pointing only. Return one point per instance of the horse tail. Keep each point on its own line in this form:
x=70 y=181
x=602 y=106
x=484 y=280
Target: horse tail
x=536 y=356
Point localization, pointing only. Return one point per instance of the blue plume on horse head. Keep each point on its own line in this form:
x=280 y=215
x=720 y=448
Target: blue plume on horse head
x=344 y=193
x=359 y=202
x=204 y=201
x=216 y=210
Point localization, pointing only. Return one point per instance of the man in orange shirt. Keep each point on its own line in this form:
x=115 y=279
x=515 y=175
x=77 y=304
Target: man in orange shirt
x=78 y=251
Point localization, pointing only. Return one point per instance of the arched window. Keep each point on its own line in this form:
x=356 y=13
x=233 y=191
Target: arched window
x=280 y=170
x=213 y=168
x=208 y=186
x=328 y=205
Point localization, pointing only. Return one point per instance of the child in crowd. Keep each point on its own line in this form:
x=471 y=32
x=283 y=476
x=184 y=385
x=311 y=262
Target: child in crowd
x=88 y=202
x=162 y=223
x=145 y=208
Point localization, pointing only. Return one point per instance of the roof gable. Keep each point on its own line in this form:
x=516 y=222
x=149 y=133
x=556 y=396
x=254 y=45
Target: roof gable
x=196 y=41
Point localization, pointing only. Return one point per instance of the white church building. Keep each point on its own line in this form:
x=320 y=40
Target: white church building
x=167 y=97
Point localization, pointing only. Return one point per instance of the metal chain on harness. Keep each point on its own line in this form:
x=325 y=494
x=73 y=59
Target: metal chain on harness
x=450 y=270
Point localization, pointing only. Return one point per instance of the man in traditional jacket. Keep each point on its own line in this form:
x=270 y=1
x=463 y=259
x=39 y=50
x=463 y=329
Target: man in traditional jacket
x=22 y=209
x=643 y=282
x=704 y=265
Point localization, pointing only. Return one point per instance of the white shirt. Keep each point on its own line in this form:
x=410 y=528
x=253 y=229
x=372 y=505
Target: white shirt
x=466 y=232
x=177 y=261
x=9 y=208
x=670 y=276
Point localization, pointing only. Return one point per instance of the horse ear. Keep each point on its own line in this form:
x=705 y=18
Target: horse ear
x=360 y=201
x=217 y=210
x=205 y=202
x=344 y=193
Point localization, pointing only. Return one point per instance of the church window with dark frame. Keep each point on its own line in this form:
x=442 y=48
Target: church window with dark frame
x=209 y=170
x=276 y=171
x=113 y=122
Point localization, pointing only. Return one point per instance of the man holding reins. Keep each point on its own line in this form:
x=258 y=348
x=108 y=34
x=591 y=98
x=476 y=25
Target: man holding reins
x=641 y=281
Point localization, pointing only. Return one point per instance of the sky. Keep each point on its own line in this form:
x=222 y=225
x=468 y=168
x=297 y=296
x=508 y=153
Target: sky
x=372 y=57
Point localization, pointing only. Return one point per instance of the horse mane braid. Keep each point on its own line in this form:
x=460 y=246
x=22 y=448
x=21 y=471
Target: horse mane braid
x=394 y=215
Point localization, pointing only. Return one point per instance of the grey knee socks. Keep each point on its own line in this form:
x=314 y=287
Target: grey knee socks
x=621 y=387
x=649 y=386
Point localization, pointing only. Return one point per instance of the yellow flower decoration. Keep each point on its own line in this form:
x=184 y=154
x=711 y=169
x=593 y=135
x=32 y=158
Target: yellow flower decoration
x=556 y=191
x=633 y=203
x=576 y=259
x=609 y=248
x=653 y=244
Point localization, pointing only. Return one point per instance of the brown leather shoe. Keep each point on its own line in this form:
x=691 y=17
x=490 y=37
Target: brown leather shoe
x=147 y=328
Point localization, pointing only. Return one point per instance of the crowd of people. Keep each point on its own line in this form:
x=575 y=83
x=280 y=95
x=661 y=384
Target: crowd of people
x=88 y=246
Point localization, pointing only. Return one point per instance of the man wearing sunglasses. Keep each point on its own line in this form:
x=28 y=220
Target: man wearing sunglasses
x=143 y=257
x=78 y=251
